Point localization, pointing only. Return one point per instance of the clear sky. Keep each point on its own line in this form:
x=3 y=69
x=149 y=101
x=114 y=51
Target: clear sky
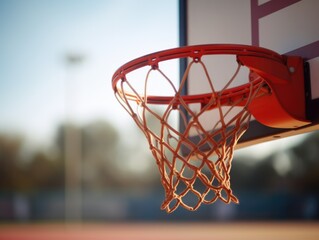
x=37 y=36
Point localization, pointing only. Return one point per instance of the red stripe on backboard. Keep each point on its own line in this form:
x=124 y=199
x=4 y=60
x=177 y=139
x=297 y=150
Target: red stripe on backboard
x=273 y=6
x=254 y=22
x=308 y=52
x=259 y=11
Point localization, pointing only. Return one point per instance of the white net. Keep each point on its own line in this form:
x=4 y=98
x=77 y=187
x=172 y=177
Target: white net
x=193 y=157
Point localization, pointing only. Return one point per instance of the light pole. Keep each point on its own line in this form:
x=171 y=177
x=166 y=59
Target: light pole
x=72 y=143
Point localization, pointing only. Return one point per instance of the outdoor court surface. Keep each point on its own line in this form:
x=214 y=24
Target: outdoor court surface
x=158 y=231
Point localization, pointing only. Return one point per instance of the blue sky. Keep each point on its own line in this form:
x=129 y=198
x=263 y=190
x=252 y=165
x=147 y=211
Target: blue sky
x=38 y=35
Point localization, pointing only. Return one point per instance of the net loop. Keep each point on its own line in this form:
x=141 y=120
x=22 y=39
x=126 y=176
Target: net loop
x=193 y=156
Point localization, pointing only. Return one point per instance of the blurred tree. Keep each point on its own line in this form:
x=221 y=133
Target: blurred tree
x=307 y=155
x=12 y=177
x=295 y=169
x=99 y=148
x=253 y=177
x=45 y=173
x=40 y=172
x=111 y=162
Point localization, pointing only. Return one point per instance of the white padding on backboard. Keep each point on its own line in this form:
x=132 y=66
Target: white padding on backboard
x=219 y=21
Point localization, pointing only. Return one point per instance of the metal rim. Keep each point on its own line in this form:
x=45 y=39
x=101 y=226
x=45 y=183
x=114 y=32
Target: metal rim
x=195 y=52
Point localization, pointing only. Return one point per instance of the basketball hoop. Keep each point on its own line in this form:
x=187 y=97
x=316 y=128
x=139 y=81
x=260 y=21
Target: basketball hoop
x=190 y=175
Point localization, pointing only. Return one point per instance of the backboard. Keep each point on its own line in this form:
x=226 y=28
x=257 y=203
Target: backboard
x=287 y=27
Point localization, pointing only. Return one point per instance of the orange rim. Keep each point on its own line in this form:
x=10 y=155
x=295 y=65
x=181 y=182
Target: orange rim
x=195 y=52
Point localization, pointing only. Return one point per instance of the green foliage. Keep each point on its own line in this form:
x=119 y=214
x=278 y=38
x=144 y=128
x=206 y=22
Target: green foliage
x=100 y=164
x=106 y=162
x=17 y=174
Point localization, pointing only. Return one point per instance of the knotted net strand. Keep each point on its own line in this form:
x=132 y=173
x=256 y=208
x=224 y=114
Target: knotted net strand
x=193 y=170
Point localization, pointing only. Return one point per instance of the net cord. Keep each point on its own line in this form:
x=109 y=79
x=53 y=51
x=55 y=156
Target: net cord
x=218 y=180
